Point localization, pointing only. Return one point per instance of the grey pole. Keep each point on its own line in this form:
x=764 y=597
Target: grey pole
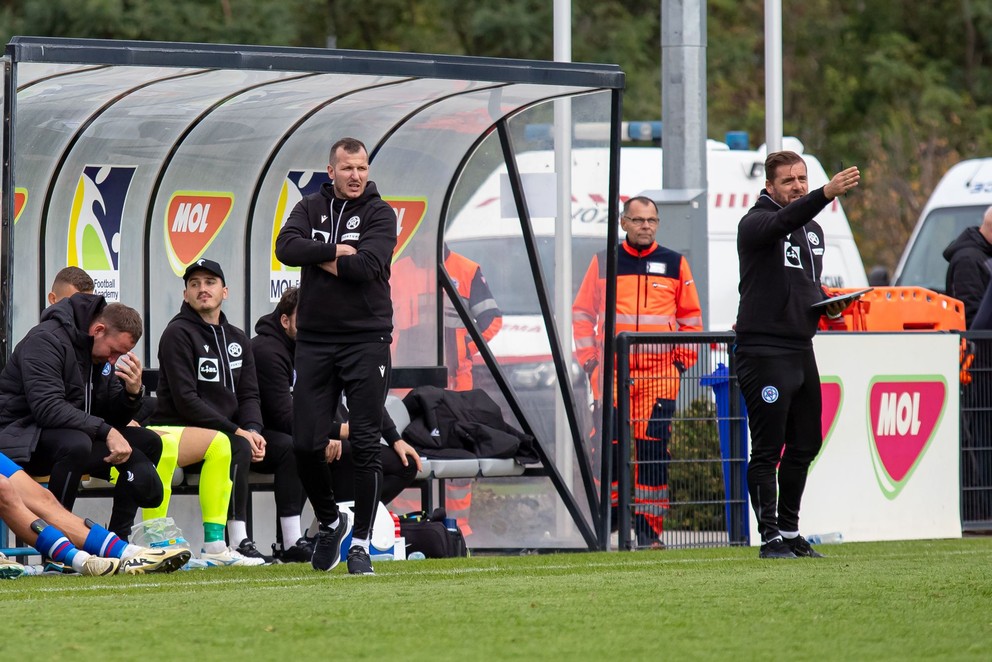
x=683 y=130
x=773 y=75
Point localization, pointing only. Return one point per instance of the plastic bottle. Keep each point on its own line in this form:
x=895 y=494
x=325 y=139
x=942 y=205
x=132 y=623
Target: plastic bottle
x=825 y=538
x=416 y=556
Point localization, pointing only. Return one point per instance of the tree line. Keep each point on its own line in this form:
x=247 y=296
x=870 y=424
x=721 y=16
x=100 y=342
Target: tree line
x=903 y=88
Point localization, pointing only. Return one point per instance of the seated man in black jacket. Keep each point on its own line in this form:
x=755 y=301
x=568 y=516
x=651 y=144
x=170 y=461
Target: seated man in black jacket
x=67 y=394
x=207 y=380
x=274 y=350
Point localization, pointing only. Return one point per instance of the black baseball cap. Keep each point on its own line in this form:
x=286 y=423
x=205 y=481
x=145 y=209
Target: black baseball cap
x=204 y=265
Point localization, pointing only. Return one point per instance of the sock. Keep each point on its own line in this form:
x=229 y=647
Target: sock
x=361 y=542
x=789 y=535
x=236 y=531
x=53 y=544
x=79 y=560
x=215 y=486
x=101 y=542
x=166 y=468
x=214 y=546
x=213 y=533
x=291 y=531
x=333 y=526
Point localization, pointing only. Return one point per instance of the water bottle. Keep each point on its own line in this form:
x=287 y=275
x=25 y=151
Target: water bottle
x=825 y=538
x=416 y=556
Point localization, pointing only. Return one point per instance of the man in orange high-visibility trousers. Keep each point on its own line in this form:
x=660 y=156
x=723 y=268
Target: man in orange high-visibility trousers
x=655 y=293
x=458 y=352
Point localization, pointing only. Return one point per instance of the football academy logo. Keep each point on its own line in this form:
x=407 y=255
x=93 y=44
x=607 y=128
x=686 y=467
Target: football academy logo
x=193 y=220
x=94 y=241
x=208 y=370
x=902 y=417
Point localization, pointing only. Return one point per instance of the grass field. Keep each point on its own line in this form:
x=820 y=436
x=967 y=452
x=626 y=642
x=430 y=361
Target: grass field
x=867 y=601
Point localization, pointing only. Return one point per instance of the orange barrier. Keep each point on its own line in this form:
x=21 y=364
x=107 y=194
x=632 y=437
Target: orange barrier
x=899 y=309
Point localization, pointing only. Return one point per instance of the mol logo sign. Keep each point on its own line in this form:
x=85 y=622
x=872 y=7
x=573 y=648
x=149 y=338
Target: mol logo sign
x=20 y=199
x=192 y=221
x=903 y=413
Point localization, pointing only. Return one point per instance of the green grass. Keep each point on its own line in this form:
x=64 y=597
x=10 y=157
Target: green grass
x=869 y=601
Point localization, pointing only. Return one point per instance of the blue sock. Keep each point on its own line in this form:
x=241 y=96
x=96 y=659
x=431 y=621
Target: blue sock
x=53 y=544
x=101 y=542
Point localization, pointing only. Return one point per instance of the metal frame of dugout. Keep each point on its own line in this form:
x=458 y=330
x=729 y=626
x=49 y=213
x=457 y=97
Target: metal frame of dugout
x=104 y=140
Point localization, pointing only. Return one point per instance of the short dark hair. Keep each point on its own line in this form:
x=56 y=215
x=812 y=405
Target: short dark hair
x=121 y=319
x=288 y=301
x=75 y=277
x=643 y=200
x=776 y=159
x=350 y=145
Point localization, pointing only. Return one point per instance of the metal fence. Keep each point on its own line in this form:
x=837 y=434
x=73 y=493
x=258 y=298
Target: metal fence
x=976 y=435
x=704 y=464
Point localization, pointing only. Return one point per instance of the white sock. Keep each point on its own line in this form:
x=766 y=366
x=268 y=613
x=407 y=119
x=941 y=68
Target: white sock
x=361 y=542
x=215 y=547
x=237 y=531
x=130 y=551
x=79 y=559
x=291 y=531
x=789 y=535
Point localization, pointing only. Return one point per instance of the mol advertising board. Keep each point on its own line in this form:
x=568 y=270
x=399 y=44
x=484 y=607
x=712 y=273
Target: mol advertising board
x=889 y=466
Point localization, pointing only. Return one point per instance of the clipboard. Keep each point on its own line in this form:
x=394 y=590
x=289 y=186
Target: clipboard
x=846 y=299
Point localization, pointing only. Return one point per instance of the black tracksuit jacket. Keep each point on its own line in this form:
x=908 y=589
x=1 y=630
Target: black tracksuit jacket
x=781 y=259
x=206 y=375
x=355 y=305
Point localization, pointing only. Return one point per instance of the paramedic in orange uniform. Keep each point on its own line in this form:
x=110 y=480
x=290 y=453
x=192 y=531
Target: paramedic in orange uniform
x=655 y=294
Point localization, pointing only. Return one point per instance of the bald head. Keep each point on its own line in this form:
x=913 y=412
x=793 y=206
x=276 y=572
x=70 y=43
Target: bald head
x=986 y=228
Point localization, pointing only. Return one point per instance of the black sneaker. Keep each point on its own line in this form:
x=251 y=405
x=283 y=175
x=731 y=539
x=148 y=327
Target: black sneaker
x=248 y=549
x=327 y=545
x=359 y=562
x=301 y=552
x=775 y=549
x=801 y=547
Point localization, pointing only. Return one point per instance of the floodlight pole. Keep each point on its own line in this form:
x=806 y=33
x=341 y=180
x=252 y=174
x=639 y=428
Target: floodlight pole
x=564 y=455
x=773 y=75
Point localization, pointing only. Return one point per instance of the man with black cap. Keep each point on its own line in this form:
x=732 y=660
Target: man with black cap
x=207 y=380
x=67 y=394
x=343 y=236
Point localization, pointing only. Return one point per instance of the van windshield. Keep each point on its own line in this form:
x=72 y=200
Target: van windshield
x=925 y=265
x=505 y=266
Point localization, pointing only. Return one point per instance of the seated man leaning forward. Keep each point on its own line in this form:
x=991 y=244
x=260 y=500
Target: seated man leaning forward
x=67 y=393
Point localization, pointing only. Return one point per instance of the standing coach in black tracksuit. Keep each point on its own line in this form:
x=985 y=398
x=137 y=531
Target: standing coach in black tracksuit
x=343 y=236
x=780 y=248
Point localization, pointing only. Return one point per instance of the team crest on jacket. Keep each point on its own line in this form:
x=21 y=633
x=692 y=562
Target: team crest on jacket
x=792 y=256
x=353 y=222
x=813 y=239
x=106 y=369
x=208 y=370
x=769 y=394
x=234 y=349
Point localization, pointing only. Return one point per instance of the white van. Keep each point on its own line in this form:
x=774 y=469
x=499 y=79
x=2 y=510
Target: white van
x=958 y=202
x=736 y=177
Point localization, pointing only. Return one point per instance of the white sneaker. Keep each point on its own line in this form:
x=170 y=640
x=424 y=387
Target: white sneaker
x=98 y=566
x=10 y=569
x=228 y=557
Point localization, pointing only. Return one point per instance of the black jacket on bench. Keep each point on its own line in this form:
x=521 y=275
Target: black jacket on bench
x=463 y=424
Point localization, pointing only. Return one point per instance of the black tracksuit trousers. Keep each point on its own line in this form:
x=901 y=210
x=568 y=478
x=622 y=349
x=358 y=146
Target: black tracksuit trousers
x=782 y=393
x=323 y=372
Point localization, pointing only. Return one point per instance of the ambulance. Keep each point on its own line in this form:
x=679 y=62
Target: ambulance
x=959 y=201
x=481 y=231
